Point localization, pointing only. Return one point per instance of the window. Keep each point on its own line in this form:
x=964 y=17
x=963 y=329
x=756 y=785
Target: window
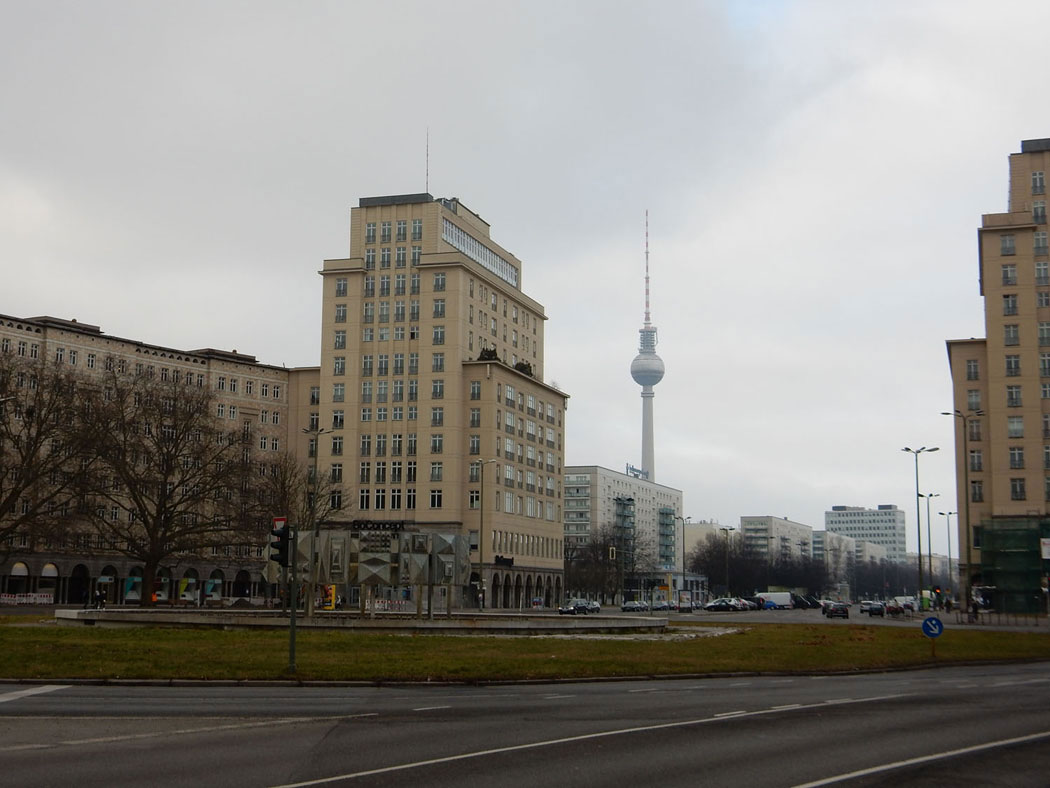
x=1010 y=304
x=975 y=429
x=439 y=282
x=340 y=287
x=437 y=443
x=383 y=367
x=400 y=256
x=337 y=445
x=976 y=491
x=339 y=365
x=972 y=369
x=1038 y=184
x=475 y=417
x=315 y=422
x=1039 y=246
x=338 y=392
x=435 y=499
x=1014 y=426
x=337 y=419
x=366 y=365
x=1013 y=396
x=1044 y=333
x=417 y=254
x=369 y=312
x=1039 y=211
x=366 y=414
x=1042 y=298
x=475 y=444
x=1006 y=247
x=1016 y=457
x=384 y=232
x=410 y=471
x=402 y=230
x=417 y=229
x=363 y=500
x=438 y=335
x=474 y=499
x=370 y=233
x=340 y=313
x=414 y=284
x=369 y=286
x=340 y=341
x=384 y=257
x=1011 y=334
x=380 y=445
x=370 y=259
x=437 y=389
x=437 y=417
x=1017 y=491
x=439 y=307
x=366 y=445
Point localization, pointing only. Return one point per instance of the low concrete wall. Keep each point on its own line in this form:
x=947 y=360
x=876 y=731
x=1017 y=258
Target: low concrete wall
x=473 y=623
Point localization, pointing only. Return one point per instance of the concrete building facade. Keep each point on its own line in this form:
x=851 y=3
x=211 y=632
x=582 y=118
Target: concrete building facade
x=1001 y=387
x=432 y=410
x=776 y=538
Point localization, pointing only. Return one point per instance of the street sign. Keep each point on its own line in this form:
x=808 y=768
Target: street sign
x=932 y=627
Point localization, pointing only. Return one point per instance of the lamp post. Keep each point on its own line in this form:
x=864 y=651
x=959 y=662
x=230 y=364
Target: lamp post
x=481 y=534
x=726 y=532
x=918 y=512
x=929 y=539
x=966 y=529
x=682 y=587
x=948 y=528
x=315 y=531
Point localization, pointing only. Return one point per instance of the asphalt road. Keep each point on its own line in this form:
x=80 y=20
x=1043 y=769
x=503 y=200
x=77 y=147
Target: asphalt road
x=753 y=731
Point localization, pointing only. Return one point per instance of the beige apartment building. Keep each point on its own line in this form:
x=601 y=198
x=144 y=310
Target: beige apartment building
x=256 y=399
x=1001 y=391
x=431 y=410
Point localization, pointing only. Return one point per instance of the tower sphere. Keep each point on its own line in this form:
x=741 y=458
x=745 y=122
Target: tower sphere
x=647 y=369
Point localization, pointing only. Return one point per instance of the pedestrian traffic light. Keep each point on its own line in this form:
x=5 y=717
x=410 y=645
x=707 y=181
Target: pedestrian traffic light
x=279 y=546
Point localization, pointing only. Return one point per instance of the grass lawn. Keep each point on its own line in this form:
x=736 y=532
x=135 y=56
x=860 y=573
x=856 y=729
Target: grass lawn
x=46 y=651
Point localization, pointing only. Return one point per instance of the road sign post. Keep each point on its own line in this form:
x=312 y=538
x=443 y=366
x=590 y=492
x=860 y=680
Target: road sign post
x=932 y=627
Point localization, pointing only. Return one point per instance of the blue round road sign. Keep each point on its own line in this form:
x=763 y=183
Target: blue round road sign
x=932 y=627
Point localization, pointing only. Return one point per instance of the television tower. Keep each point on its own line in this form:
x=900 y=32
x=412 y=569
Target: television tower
x=647 y=369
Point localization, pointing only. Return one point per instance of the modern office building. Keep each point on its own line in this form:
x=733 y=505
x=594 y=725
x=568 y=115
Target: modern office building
x=1001 y=393
x=884 y=526
x=432 y=410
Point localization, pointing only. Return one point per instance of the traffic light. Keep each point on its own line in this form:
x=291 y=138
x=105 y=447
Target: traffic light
x=279 y=546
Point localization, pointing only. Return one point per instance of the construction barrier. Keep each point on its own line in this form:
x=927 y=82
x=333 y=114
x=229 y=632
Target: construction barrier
x=27 y=599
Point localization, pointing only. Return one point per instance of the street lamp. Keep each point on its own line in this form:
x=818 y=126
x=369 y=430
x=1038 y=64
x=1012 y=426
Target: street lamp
x=726 y=532
x=315 y=530
x=481 y=533
x=966 y=419
x=684 y=520
x=929 y=539
x=948 y=527
x=918 y=511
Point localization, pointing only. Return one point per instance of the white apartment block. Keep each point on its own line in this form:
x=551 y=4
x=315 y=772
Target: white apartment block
x=592 y=494
x=883 y=526
x=776 y=538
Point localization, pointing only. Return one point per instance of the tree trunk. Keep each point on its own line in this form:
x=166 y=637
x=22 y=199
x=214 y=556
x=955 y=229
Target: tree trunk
x=149 y=576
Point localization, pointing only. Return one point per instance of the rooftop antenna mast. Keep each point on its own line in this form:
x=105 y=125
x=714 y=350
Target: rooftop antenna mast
x=427 y=189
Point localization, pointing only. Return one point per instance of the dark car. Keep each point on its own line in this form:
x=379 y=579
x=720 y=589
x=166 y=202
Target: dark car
x=574 y=607
x=837 y=610
x=632 y=607
x=723 y=605
x=877 y=609
x=593 y=607
x=661 y=604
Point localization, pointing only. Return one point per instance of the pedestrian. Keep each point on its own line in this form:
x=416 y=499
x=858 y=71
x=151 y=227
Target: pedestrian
x=102 y=599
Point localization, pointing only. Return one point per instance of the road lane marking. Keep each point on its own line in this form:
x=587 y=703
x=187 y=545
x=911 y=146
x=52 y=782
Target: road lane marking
x=642 y=691
x=925 y=759
x=178 y=732
x=556 y=697
x=736 y=713
x=9 y=696
x=833 y=701
x=566 y=740
x=788 y=706
x=431 y=708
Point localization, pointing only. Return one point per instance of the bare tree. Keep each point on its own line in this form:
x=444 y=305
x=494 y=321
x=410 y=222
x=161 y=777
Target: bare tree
x=41 y=450
x=170 y=477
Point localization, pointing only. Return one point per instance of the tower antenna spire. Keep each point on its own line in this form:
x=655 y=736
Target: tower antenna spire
x=427 y=180
x=647 y=369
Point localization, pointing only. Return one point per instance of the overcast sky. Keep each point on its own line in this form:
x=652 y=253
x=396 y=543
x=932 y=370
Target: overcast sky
x=814 y=172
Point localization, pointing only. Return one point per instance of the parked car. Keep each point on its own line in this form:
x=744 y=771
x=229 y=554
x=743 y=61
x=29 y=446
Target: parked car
x=661 y=605
x=877 y=609
x=721 y=605
x=593 y=607
x=745 y=604
x=837 y=610
x=893 y=608
x=865 y=605
x=574 y=607
x=632 y=607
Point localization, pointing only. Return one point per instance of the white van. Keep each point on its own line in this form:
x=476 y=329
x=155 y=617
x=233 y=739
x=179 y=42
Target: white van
x=779 y=599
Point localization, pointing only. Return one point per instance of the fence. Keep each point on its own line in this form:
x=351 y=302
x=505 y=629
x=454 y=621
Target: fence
x=27 y=599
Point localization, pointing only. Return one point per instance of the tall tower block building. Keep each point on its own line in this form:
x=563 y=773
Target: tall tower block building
x=431 y=398
x=1001 y=391
x=647 y=369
